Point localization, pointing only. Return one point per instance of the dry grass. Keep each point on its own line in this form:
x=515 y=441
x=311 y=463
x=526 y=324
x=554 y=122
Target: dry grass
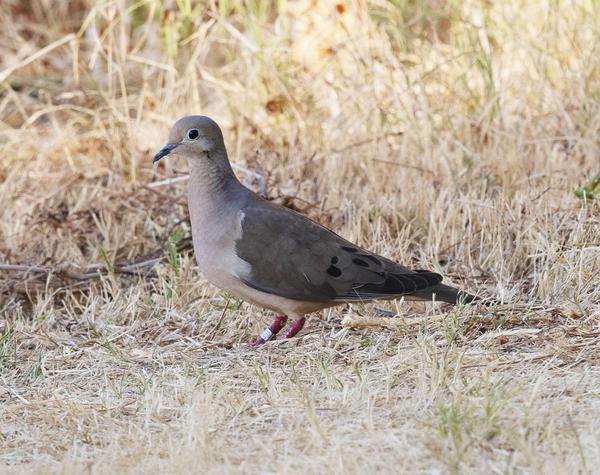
x=446 y=135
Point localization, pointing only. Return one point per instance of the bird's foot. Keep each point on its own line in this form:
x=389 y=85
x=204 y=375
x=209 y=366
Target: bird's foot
x=272 y=330
x=275 y=327
x=295 y=327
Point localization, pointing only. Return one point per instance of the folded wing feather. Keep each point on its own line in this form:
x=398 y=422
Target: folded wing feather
x=296 y=258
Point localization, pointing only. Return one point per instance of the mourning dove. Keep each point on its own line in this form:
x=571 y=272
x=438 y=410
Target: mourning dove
x=274 y=257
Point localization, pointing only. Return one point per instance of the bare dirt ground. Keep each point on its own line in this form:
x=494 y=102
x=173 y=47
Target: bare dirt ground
x=458 y=137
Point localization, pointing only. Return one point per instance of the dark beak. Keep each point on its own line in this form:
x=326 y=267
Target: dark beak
x=166 y=150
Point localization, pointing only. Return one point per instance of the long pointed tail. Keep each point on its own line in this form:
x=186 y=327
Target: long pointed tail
x=445 y=293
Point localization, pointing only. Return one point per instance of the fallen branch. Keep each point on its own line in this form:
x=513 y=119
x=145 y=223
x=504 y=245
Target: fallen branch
x=141 y=266
x=97 y=270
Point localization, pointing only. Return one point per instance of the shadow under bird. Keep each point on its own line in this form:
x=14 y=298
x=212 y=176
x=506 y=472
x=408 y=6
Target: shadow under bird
x=274 y=257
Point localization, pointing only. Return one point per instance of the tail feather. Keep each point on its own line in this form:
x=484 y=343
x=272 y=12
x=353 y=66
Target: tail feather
x=445 y=293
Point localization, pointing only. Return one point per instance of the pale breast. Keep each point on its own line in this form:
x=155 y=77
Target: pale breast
x=215 y=250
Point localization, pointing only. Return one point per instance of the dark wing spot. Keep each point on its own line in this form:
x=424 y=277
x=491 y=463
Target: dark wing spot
x=360 y=262
x=333 y=271
x=334 y=260
x=373 y=259
x=349 y=249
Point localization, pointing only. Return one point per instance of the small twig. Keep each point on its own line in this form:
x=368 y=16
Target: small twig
x=366 y=141
x=35 y=56
x=403 y=165
x=260 y=178
x=98 y=270
x=48 y=271
x=384 y=313
x=23 y=268
x=262 y=187
x=128 y=267
x=167 y=181
x=12 y=390
x=214 y=330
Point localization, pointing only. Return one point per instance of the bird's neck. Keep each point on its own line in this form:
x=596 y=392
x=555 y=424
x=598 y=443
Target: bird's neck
x=214 y=194
x=212 y=176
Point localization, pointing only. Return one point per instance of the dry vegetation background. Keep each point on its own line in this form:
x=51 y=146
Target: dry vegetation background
x=444 y=134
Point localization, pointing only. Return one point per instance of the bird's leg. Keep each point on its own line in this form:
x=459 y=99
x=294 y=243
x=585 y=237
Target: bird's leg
x=295 y=327
x=272 y=330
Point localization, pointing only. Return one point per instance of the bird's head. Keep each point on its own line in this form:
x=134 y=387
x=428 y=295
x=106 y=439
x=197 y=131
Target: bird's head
x=193 y=137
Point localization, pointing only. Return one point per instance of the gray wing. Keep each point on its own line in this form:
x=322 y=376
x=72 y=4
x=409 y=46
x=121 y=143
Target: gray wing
x=294 y=257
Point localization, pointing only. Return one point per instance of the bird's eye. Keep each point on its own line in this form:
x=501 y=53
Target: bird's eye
x=193 y=134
